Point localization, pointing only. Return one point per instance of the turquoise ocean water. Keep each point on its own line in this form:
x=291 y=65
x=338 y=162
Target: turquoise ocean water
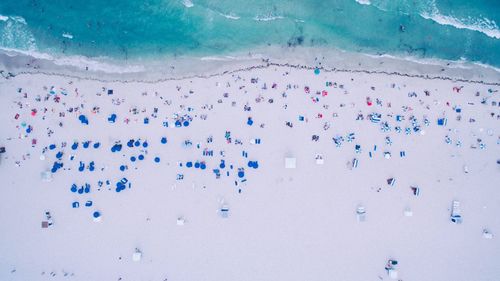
x=128 y=29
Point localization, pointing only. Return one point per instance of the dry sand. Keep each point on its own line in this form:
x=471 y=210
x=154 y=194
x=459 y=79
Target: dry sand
x=283 y=224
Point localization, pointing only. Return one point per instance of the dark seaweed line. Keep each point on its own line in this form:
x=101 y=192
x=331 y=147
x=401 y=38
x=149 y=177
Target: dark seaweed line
x=261 y=66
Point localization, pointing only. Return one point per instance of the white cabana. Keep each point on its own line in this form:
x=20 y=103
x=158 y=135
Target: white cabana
x=46 y=176
x=137 y=256
x=319 y=159
x=290 y=162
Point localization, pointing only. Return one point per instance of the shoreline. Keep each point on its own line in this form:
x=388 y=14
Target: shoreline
x=331 y=61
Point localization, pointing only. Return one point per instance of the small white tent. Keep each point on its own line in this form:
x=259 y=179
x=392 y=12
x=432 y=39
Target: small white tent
x=46 y=176
x=137 y=256
x=290 y=162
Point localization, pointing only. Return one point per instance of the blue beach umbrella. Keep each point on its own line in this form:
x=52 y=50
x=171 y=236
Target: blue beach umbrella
x=112 y=118
x=83 y=119
x=157 y=159
x=163 y=140
x=130 y=143
x=81 y=167
x=91 y=166
x=96 y=145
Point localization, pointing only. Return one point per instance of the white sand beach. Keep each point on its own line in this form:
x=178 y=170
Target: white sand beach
x=438 y=139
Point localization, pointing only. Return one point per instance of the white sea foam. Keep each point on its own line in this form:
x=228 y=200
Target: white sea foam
x=16 y=34
x=484 y=25
x=462 y=63
x=79 y=62
x=67 y=35
x=364 y=2
x=18 y=19
x=267 y=18
x=187 y=3
x=213 y=58
x=4 y=18
x=230 y=16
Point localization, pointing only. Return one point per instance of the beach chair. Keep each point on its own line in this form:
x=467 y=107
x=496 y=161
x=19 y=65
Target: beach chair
x=442 y=121
x=456 y=216
x=224 y=211
x=360 y=213
x=354 y=163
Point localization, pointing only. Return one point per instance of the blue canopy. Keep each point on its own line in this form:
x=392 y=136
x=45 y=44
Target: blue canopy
x=81 y=167
x=56 y=167
x=130 y=143
x=112 y=118
x=157 y=159
x=116 y=147
x=83 y=119
x=164 y=140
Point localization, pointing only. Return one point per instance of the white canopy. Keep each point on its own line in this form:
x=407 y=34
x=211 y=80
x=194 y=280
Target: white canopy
x=290 y=162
